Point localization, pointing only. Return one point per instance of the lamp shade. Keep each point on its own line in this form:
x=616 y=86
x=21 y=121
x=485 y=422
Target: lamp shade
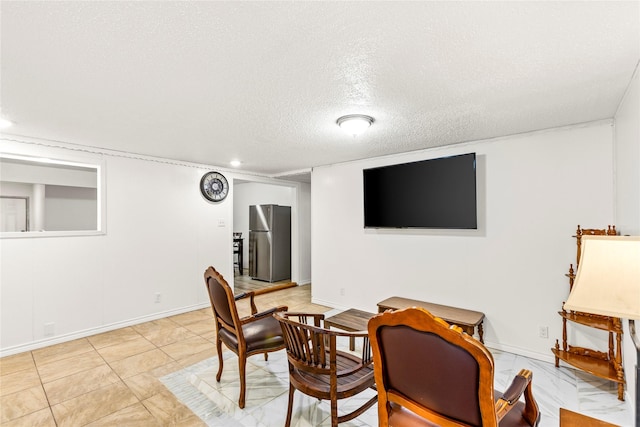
x=608 y=278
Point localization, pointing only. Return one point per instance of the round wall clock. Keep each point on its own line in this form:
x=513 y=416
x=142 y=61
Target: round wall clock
x=214 y=186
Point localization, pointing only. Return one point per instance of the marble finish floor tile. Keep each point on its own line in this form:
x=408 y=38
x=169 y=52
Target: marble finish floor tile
x=113 y=337
x=17 y=381
x=194 y=317
x=76 y=376
x=93 y=405
x=15 y=363
x=202 y=328
x=267 y=393
x=41 y=418
x=189 y=347
x=124 y=349
x=116 y=378
x=62 y=351
x=75 y=385
x=72 y=365
x=166 y=409
x=163 y=331
x=22 y=403
x=140 y=363
x=197 y=357
x=134 y=415
x=147 y=384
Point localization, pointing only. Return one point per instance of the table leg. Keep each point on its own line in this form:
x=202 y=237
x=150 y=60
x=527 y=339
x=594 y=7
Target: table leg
x=481 y=332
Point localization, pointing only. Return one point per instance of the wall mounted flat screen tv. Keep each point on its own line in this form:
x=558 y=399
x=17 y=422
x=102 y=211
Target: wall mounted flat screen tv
x=435 y=193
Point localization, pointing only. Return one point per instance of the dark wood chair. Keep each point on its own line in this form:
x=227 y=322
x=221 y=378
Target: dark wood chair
x=318 y=369
x=245 y=336
x=429 y=373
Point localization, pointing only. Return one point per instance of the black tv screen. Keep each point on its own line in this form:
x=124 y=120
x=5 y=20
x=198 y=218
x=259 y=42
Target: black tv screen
x=435 y=193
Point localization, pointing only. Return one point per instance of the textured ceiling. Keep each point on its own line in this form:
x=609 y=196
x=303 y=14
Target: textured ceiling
x=264 y=82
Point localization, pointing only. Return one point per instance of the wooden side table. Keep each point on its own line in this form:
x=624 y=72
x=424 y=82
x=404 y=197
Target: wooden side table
x=351 y=320
x=573 y=419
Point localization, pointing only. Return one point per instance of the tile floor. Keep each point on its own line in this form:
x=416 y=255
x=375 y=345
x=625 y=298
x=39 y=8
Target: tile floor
x=113 y=378
x=131 y=377
x=267 y=393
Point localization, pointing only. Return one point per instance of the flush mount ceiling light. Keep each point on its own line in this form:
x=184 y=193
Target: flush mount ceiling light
x=355 y=124
x=235 y=163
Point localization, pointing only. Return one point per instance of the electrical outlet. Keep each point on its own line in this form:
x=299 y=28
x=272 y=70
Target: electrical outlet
x=158 y=297
x=543 y=331
x=341 y=292
x=49 y=329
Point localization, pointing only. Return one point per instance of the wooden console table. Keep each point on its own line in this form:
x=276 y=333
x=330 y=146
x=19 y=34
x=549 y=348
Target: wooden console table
x=468 y=320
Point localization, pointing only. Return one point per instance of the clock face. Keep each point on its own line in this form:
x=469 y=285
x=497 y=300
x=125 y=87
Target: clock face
x=214 y=186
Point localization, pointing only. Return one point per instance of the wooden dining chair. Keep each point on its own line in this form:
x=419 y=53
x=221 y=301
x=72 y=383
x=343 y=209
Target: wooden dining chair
x=257 y=333
x=318 y=369
x=431 y=374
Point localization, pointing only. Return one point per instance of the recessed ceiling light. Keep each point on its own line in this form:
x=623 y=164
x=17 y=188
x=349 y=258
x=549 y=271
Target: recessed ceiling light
x=235 y=163
x=4 y=123
x=355 y=124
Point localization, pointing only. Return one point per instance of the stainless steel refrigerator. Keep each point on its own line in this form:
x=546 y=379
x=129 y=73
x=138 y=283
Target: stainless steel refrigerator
x=270 y=242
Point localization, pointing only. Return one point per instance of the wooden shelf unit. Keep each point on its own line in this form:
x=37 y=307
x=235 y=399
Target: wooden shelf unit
x=607 y=365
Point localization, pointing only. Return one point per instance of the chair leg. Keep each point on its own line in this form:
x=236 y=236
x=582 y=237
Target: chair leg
x=287 y=423
x=266 y=356
x=220 y=361
x=242 y=364
x=334 y=412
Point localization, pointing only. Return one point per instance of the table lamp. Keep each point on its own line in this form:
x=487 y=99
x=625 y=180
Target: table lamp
x=608 y=283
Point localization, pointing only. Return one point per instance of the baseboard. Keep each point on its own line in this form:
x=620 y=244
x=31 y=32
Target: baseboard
x=550 y=358
x=275 y=288
x=543 y=357
x=98 y=330
x=329 y=304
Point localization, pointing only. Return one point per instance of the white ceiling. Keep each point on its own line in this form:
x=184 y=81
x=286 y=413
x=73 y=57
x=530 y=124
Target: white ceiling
x=264 y=82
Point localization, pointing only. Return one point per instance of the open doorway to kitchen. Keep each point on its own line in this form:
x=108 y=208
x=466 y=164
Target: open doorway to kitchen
x=282 y=192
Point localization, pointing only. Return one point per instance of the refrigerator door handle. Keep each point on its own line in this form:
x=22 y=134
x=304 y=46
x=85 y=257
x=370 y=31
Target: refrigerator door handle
x=254 y=258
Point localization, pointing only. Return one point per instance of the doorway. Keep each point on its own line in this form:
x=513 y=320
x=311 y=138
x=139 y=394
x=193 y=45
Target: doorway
x=279 y=192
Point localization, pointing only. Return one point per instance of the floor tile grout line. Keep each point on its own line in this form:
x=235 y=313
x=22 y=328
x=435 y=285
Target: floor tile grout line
x=94 y=348
x=44 y=390
x=120 y=378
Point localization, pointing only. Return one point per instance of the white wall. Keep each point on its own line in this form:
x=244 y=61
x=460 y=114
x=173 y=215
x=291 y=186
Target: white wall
x=627 y=158
x=161 y=236
x=627 y=187
x=304 y=233
x=12 y=170
x=533 y=190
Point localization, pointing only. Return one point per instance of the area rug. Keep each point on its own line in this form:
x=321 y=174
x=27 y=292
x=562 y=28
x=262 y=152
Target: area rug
x=216 y=403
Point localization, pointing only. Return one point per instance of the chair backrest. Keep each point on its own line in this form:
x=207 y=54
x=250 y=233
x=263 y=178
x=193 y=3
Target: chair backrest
x=307 y=345
x=433 y=369
x=222 y=300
